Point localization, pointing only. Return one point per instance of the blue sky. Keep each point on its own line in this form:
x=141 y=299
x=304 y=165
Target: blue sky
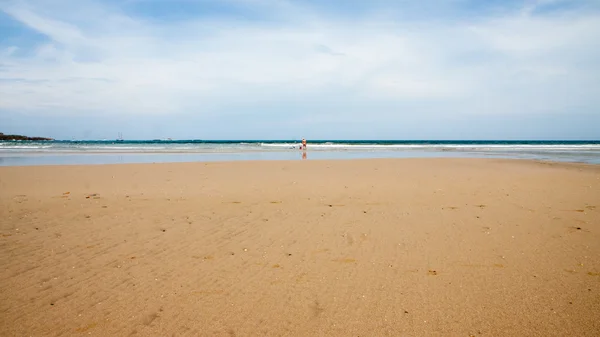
x=286 y=69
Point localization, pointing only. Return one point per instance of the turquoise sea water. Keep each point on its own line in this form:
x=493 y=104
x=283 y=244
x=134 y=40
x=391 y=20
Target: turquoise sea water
x=147 y=151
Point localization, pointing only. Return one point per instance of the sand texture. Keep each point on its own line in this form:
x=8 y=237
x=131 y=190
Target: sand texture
x=409 y=247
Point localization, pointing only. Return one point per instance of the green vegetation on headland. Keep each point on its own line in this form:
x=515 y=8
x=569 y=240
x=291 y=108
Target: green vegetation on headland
x=19 y=137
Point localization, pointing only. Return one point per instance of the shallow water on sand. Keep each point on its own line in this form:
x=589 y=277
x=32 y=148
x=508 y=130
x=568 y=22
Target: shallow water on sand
x=74 y=158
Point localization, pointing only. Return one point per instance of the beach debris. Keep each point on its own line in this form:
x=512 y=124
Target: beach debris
x=432 y=272
x=245 y=249
x=289 y=254
x=163 y=230
x=573 y=229
x=93 y=195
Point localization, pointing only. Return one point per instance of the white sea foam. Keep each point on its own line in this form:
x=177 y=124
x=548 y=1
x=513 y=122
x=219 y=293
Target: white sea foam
x=164 y=147
x=548 y=147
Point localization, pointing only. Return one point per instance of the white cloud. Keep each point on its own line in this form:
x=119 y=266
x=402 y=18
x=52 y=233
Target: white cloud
x=100 y=60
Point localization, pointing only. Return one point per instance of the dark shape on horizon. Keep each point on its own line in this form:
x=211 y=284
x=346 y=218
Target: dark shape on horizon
x=20 y=137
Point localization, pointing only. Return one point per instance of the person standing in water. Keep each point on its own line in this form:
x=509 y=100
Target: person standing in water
x=303 y=147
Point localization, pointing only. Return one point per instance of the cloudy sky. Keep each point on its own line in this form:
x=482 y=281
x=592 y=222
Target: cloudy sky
x=286 y=69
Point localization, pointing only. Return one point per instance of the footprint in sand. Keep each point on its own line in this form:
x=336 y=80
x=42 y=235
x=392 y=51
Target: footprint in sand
x=349 y=239
x=87 y=327
x=204 y=258
x=301 y=278
x=317 y=309
x=151 y=318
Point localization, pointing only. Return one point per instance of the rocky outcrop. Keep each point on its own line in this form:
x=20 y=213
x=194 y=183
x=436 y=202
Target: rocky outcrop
x=19 y=137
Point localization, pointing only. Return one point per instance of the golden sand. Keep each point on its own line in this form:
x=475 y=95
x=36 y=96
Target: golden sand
x=409 y=247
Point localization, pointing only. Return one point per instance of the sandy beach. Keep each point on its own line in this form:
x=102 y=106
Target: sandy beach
x=392 y=247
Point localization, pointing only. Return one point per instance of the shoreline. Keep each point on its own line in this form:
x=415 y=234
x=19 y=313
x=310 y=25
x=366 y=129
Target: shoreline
x=95 y=158
x=105 y=152
x=565 y=164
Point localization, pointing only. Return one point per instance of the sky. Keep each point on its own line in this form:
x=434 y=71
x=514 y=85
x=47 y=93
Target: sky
x=287 y=69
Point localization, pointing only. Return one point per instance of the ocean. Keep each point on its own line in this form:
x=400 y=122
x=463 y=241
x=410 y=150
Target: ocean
x=17 y=153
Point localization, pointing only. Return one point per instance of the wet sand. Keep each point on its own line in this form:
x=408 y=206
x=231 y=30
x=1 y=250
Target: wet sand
x=411 y=247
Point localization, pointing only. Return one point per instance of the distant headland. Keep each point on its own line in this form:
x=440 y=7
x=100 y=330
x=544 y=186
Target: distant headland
x=19 y=137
